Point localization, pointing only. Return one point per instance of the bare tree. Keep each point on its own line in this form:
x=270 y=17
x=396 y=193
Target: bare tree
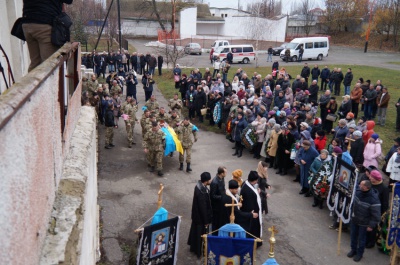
x=265 y=8
x=308 y=15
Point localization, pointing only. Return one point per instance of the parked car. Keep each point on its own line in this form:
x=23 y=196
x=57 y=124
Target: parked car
x=193 y=48
x=277 y=50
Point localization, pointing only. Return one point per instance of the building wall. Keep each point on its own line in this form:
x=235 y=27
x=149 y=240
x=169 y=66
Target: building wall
x=209 y=29
x=187 y=22
x=228 y=12
x=15 y=49
x=139 y=27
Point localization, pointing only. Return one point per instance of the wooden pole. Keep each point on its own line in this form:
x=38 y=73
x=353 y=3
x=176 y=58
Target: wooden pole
x=159 y=203
x=393 y=255
x=339 y=236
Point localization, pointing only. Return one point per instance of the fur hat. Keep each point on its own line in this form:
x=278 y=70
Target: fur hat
x=233 y=184
x=253 y=175
x=237 y=173
x=205 y=176
x=375 y=174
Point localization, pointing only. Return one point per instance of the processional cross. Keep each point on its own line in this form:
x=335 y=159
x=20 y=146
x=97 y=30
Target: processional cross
x=159 y=203
x=272 y=241
x=232 y=216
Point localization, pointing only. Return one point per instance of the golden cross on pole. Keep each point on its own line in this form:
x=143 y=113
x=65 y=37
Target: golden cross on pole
x=349 y=146
x=272 y=241
x=159 y=203
x=232 y=217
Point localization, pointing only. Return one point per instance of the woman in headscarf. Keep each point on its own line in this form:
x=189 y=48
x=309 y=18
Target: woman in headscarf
x=320 y=171
x=259 y=125
x=273 y=145
x=393 y=167
x=263 y=186
x=331 y=108
x=237 y=176
x=269 y=127
x=240 y=124
x=285 y=142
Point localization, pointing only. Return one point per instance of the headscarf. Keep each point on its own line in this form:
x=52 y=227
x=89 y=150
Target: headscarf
x=277 y=128
x=262 y=172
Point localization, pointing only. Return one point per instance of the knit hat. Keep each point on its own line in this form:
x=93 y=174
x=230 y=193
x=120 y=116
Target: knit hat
x=352 y=126
x=304 y=124
x=237 y=173
x=205 y=176
x=298 y=89
x=272 y=121
x=275 y=108
x=375 y=174
x=253 y=175
x=375 y=136
x=272 y=112
x=350 y=115
x=337 y=150
x=357 y=133
x=233 y=184
x=306 y=143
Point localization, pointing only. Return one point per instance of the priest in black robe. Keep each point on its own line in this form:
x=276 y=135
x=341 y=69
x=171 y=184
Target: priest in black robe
x=217 y=190
x=231 y=196
x=252 y=203
x=201 y=214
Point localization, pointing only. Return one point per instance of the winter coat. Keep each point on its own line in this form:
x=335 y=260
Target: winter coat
x=369 y=131
x=279 y=102
x=344 y=109
x=190 y=98
x=348 y=78
x=385 y=100
x=237 y=131
x=356 y=94
x=393 y=167
x=260 y=130
x=200 y=100
x=366 y=210
x=305 y=72
x=313 y=89
x=357 y=151
x=325 y=73
x=273 y=143
x=320 y=143
x=315 y=72
x=320 y=170
x=371 y=153
x=341 y=132
x=131 y=85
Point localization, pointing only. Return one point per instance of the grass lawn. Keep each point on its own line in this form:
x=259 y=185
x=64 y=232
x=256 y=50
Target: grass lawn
x=394 y=63
x=390 y=79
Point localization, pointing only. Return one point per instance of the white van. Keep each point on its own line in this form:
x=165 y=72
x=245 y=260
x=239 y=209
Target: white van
x=241 y=53
x=314 y=48
x=219 y=43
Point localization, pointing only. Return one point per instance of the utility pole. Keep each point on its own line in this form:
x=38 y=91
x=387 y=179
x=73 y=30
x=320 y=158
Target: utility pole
x=119 y=26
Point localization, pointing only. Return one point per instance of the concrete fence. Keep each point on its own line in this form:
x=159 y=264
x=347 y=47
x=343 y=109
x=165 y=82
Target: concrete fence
x=38 y=119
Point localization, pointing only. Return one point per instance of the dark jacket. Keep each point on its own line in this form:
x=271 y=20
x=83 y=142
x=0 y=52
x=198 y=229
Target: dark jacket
x=237 y=131
x=200 y=100
x=217 y=189
x=42 y=11
x=142 y=61
x=366 y=209
x=344 y=109
x=357 y=151
x=152 y=61
x=325 y=73
x=313 y=89
x=147 y=86
x=371 y=96
x=241 y=218
x=131 y=85
x=134 y=59
x=348 y=78
x=383 y=195
x=109 y=118
x=160 y=60
x=315 y=72
x=305 y=72
x=279 y=102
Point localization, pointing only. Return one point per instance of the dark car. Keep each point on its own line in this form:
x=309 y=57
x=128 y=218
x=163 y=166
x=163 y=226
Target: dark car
x=277 y=50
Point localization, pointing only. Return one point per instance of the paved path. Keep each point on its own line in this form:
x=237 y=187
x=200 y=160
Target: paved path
x=128 y=197
x=337 y=55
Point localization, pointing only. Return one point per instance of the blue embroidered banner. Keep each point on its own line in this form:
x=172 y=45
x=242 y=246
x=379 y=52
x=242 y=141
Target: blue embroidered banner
x=229 y=251
x=394 y=226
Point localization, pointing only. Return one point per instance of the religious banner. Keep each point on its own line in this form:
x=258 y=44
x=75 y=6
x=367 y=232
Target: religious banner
x=230 y=251
x=343 y=186
x=394 y=221
x=159 y=243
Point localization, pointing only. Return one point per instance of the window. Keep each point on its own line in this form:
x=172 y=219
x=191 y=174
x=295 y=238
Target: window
x=309 y=45
x=226 y=15
x=322 y=44
x=213 y=15
x=222 y=15
x=237 y=50
x=247 y=49
x=225 y=50
x=225 y=44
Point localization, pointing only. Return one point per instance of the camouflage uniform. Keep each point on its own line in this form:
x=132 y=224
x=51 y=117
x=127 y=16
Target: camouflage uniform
x=172 y=122
x=184 y=133
x=153 y=141
x=115 y=90
x=152 y=105
x=92 y=87
x=145 y=123
x=162 y=117
x=175 y=104
x=130 y=110
x=109 y=135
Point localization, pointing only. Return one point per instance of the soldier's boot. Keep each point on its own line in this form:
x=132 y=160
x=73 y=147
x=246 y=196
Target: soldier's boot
x=108 y=147
x=151 y=169
x=188 y=169
x=240 y=152
x=236 y=151
x=181 y=166
x=171 y=154
x=130 y=145
x=160 y=173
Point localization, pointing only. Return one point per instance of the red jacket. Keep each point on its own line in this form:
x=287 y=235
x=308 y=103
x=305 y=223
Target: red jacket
x=368 y=132
x=320 y=143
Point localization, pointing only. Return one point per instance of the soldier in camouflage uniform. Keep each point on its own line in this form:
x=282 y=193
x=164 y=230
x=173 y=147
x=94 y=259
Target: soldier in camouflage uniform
x=115 y=88
x=185 y=130
x=92 y=85
x=130 y=109
x=161 y=115
x=174 y=120
x=145 y=116
x=109 y=122
x=153 y=144
x=152 y=104
x=175 y=104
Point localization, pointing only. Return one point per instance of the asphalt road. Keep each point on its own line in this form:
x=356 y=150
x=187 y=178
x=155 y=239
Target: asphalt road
x=337 y=55
x=128 y=198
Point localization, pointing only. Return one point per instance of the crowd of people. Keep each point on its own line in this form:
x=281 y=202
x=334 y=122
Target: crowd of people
x=289 y=122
